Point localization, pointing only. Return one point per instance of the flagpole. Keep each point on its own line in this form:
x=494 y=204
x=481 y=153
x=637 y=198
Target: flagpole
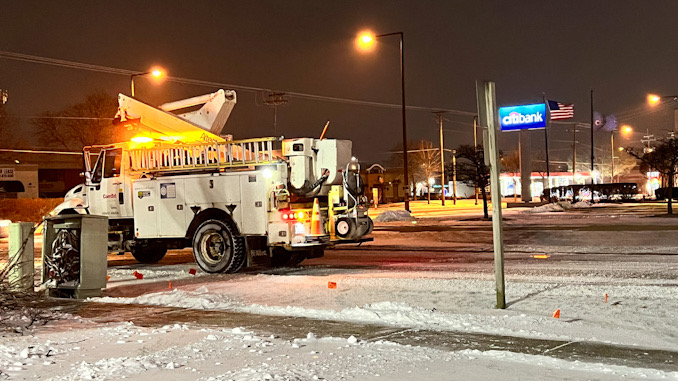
x=592 y=180
x=546 y=141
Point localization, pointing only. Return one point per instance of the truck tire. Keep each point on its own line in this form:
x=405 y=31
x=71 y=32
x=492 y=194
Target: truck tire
x=217 y=249
x=148 y=252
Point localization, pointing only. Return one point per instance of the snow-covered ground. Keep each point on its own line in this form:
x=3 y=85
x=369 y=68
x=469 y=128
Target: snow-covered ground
x=182 y=352
x=621 y=296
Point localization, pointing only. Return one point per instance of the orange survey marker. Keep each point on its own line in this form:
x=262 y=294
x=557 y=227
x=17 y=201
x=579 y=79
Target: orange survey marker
x=556 y=314
x=108 y=277
x=605 y=298
x=170 y=285
x=331 y=284
x=138 y=275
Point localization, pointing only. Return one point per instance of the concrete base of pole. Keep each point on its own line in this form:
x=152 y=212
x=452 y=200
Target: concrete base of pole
x=21 y=275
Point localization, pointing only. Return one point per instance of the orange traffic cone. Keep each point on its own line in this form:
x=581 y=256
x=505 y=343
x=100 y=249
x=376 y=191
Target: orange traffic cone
x=316 y=225
x=556 y=314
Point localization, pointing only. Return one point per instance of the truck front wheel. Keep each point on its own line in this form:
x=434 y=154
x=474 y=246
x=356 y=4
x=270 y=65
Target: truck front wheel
x=148 y=252
x=217 y=249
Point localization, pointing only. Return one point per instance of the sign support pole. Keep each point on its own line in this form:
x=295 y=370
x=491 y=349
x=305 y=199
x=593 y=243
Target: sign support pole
x=487 y=109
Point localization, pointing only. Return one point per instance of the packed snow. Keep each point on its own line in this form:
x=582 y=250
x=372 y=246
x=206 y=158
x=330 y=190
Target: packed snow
x=394 y=215
x=181 y=352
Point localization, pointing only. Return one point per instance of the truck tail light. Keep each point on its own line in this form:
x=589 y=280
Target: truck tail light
x=290 y=215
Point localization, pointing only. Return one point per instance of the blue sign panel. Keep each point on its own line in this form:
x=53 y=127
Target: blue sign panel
x=522 y=117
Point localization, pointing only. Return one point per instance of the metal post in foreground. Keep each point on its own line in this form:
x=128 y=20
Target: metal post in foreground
x=485 y=93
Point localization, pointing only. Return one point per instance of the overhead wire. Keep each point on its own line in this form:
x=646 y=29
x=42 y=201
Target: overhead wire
x=197 y=82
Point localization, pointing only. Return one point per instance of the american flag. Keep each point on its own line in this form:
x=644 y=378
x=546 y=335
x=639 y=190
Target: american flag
x=561 y=111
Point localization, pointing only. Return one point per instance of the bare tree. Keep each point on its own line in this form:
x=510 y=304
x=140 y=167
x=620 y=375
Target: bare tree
x=472 y=171
x=427 y=159
x=663 y=159
x=82 y=124
x=511 y=163
x=624 y=164
x=414 y=168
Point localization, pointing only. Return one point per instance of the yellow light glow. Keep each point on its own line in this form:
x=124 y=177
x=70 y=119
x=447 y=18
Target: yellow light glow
x=365 y=41
x=621 y=149
x=540 y=256
x=157 y=73
x=653 y=99
x=626 y=129
x=142 y=139
x=300 y=215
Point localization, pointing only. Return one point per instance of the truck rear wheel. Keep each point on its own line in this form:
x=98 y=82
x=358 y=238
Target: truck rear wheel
x=217 y=249
x=148 y=252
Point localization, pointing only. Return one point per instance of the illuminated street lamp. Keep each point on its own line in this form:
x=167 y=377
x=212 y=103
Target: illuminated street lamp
x=157 y=73
x=654 y=99
x=365 y=42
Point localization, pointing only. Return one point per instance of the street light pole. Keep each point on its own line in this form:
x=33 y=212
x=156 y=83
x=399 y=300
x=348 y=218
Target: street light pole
x=365 y=40
x=402 y=93
x=156 y=73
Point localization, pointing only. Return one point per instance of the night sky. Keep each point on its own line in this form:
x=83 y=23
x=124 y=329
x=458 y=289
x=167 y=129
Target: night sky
x=621 y=49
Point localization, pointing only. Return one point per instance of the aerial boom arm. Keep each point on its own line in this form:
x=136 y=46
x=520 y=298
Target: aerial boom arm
x=205 y=124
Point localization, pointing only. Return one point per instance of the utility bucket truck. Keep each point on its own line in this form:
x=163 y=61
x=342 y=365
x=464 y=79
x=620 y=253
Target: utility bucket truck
x=182 y=184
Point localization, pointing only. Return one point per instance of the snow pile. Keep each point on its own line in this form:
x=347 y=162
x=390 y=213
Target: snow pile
x=581 y=205
x=546 y=208
x=394 y=215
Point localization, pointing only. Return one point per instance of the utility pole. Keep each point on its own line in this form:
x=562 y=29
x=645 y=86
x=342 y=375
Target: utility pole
x=648 y=139
x=612 y=156
x=454 y=177
x=439 y=116
x=275 y=99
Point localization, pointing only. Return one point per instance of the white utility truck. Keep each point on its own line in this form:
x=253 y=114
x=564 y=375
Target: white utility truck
x=180 y=183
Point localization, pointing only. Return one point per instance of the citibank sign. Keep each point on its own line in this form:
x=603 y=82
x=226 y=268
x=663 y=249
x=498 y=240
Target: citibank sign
x=522 y=117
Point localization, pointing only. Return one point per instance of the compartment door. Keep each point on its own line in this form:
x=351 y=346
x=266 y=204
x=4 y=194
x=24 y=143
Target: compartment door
x=171 y=205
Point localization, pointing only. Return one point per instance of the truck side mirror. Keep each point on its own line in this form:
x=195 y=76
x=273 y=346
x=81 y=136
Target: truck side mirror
x=87 y=175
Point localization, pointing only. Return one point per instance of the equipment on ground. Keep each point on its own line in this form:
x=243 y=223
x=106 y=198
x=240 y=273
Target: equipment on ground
x=74 y=255
x=182 y=184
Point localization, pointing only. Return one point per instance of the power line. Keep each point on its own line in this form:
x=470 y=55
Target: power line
x=54 y=117
x=40 y=152
x=118 y=71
